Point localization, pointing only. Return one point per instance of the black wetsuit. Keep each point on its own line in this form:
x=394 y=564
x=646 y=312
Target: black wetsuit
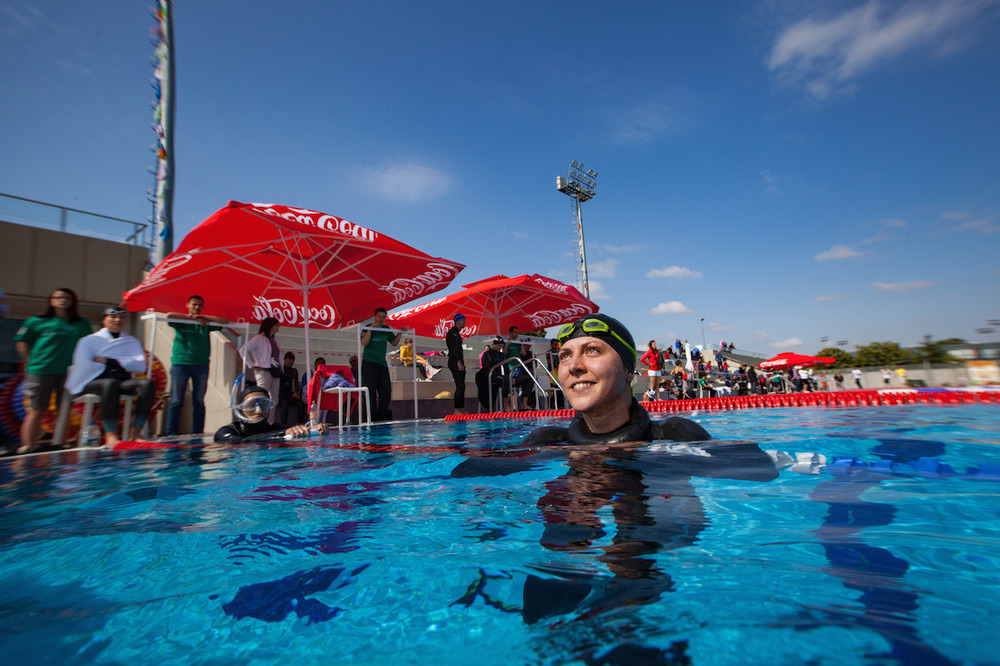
x=638 y=429
x=455 y=356
x=490 y=358
x=239 y=431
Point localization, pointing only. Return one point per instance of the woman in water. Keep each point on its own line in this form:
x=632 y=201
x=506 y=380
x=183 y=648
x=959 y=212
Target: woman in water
x=250 y=420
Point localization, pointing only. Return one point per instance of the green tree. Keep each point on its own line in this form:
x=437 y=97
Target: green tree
x=885 y=354
x=844 y=358
x=935 y=352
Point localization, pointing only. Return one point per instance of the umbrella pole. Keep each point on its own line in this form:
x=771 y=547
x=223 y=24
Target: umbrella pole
x=305 y=305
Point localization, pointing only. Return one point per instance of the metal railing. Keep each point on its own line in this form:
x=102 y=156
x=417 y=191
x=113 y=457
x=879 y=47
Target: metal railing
x=43 y=215
x=508 y=376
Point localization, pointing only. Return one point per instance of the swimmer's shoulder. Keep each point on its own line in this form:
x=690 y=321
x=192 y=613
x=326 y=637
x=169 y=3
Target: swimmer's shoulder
x=678 y=429
x=545 y=435
x=228 y=433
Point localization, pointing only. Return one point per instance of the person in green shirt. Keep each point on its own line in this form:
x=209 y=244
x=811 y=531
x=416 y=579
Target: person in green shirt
x=46 y=343
x=374 y=369
x=189 y=361
x=514 y=347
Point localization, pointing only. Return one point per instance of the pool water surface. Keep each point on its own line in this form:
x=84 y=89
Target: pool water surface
x=800 y=535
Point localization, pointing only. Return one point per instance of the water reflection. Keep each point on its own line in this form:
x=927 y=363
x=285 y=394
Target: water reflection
x=647 y=490
x=888 y=605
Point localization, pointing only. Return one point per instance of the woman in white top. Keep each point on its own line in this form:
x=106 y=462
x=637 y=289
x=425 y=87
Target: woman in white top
x=263 y=357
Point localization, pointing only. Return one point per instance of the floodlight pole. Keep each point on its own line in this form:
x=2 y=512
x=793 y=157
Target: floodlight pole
x=579 y=185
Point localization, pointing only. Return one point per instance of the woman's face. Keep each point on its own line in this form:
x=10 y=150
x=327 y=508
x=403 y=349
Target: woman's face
x=593 y=377
x=255 y=407
x=61 y=299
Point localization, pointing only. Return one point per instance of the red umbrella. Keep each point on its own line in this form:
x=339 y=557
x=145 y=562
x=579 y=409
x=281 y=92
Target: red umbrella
x=493 y=305
x=789 y=359
x=305 y=268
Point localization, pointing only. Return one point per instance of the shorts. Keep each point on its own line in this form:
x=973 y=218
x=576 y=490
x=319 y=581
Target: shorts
x=38 y=389
x=653 y=373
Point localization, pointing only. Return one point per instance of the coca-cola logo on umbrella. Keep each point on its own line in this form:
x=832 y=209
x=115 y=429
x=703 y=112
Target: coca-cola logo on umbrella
x=319 y=220
x=444 y=325
x=546 y=318
x=289 y=313
x=406 y=289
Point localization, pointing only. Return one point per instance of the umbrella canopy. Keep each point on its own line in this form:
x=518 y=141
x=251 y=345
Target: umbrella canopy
x=302 y=267
x=787 y=360
x=493 y=305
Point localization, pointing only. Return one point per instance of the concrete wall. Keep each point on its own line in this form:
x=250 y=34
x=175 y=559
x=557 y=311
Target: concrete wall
x=35 y=261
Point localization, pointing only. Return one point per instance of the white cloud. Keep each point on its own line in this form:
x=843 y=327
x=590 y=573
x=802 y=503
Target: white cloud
x=883 y=233
x=558 y=273
x=831 y=297
x=837 y=252
x=719 y=328
x=672 y=307
x=903 y=286
x=24 y=19
x=597 y=292
x=983 y=225
x=760 y=336
x=602 y=269
x=771 y=183
x=643 y=124
x=408 y=182
x=678 y=272
x=880 y=237
x=987 y=224
x=787 y=344
x=619 y=249
x=827 y=54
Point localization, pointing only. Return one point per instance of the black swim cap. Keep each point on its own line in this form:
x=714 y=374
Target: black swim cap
x=605 y=328
x=251 y=389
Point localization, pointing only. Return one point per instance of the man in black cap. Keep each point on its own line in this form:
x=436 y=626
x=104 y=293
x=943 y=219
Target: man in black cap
x=492 y=383
x=103 y=364
x=456 y=360
x=596 y=368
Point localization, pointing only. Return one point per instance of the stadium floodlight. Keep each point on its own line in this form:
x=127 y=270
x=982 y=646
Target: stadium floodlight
x=579 y=185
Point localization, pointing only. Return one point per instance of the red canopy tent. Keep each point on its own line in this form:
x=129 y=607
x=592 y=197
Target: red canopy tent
x=303 y=267
x=493 y=305
x=787 y=360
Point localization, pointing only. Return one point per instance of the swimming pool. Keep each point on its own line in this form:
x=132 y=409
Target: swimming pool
x=445 y=543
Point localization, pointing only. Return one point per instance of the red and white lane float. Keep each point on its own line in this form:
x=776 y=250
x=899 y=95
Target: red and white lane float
x=773 y=400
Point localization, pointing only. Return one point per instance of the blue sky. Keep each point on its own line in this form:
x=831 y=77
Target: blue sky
x=787 y=171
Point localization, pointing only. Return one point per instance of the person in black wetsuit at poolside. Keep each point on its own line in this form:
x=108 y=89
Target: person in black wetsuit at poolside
x=250 y=420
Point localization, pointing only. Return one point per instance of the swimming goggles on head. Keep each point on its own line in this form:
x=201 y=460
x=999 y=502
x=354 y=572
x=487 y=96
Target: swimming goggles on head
x=252 y=404
x=590 y=326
